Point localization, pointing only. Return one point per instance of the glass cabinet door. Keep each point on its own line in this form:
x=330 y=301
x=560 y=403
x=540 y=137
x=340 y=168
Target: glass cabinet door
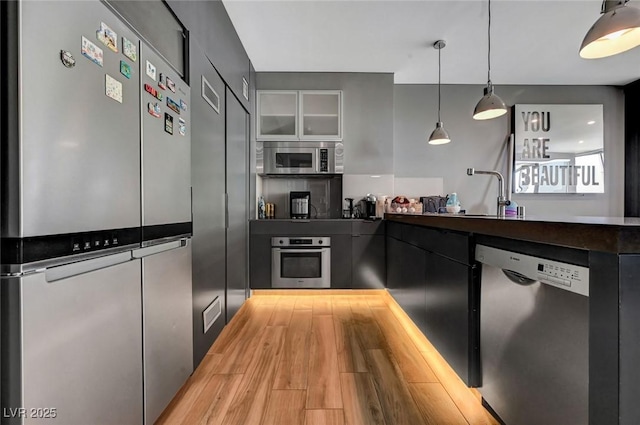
x=277 y=115
x=321 y=115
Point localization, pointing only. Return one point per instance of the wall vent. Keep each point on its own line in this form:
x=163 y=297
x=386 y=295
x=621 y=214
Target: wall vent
x=211 y=314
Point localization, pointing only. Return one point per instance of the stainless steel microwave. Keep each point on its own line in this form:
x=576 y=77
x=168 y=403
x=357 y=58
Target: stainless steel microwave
x=300 y=158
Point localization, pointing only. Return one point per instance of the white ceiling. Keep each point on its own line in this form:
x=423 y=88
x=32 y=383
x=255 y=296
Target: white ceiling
x=533 y=42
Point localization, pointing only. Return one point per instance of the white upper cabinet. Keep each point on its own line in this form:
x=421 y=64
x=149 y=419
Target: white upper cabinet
x=321 y=115
x=277 y=115
x=299 y=115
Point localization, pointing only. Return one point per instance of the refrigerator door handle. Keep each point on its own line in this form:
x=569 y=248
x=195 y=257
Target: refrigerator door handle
x=54 y=274
x=225 y=202
x=157 y=249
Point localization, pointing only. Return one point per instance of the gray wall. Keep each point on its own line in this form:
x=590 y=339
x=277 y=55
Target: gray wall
x=209 y=23
x=481 y=144
x=368 y=113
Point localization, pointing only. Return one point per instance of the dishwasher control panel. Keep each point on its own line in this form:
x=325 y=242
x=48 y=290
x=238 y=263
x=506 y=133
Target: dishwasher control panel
x=565 y=276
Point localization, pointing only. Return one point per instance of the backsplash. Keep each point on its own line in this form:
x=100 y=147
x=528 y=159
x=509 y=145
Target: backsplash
x=357 y=186
x=326 y=194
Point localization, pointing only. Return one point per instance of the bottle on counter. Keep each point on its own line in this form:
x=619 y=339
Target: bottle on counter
x=261 y=209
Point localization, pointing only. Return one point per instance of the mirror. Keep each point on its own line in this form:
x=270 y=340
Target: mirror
x=558 y=149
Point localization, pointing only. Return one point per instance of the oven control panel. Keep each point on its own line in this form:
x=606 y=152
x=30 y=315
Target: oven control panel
x=300 y=241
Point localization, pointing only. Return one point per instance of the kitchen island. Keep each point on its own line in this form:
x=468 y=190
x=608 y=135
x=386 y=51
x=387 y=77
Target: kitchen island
x=609 y=247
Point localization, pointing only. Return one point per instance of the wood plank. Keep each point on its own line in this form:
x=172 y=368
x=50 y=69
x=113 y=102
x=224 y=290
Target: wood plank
x=435 y=405
x=323 y=390
x=184 y=399
x=366 y=328
x=294 y=365
x=266 y=299
x=250 y=402
x=285 y=407
x=304 y=302
x=397 y=404
x=413 y=365
x=376 y=301
x=240 y=350
x=348 y=345
x=361 y=404
x=322 y=305
x=464 y=399
x=213 y=402
x=231 y=330
x=340 y=300
x=283 y=310
x=324 y=417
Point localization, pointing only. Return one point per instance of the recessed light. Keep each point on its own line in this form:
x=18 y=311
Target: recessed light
x=581 y=141
x=591 y=122
x=375 y=177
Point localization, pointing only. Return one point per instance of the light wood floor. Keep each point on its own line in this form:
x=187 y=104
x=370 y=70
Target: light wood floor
x=297 y=359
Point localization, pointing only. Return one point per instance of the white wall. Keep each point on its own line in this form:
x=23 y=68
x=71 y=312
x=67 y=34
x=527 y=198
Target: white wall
x=481 y=144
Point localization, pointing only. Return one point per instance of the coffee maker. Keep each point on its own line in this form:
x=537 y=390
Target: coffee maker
x=368 y=206
x=299 y=205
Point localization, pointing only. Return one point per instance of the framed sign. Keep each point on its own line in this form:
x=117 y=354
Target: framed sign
x=558 y=149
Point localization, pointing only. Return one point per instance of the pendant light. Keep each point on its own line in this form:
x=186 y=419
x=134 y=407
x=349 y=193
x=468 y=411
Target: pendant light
x=490 y=106
x=439 y=136
x=616 y=31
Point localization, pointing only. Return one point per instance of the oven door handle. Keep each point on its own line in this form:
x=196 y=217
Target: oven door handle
x=302 y=251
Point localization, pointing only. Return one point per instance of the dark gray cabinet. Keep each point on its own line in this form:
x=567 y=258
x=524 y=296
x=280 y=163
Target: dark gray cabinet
x=237 y=180
x=368 y=269
x=209 y=23
x=208 y=188
x=368 y=264
x=341 y=261
x=260 y=261
x=451 y=317
x=406 y=270
x=430 y=275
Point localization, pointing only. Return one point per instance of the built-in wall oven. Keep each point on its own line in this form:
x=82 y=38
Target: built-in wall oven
x=301 y=262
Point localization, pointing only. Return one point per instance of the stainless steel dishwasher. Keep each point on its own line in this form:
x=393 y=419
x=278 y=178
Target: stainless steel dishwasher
x=534 y=338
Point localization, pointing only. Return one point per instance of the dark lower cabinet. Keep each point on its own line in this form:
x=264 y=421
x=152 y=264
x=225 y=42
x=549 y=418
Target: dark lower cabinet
x=451 y=315
x=368 y=259
x=341 y=261
x=260 y=261
x=406 y=268
x=394 y=267
x=439 y=293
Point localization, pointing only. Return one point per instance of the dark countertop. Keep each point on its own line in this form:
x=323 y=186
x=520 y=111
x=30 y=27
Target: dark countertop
x=607 y=234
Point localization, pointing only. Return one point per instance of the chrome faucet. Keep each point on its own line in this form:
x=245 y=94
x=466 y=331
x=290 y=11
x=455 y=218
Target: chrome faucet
x=502 y=198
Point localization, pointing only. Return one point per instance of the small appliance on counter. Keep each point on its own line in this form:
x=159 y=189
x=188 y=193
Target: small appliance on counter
x=348 y=212
x=299 y=205
x=368 y=206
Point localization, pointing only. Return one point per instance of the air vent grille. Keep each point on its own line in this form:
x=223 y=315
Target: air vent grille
x=211 y=314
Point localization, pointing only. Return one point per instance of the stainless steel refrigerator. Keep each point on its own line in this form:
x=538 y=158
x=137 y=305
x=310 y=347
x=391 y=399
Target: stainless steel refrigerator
x=96 y=259
x=166 y=232
x=70 y=291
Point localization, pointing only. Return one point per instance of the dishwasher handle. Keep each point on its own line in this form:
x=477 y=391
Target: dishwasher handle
x=66 y=271
x=518 y=278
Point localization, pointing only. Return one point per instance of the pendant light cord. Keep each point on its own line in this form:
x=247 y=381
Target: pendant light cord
x=439 y=79
x=489 y=49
